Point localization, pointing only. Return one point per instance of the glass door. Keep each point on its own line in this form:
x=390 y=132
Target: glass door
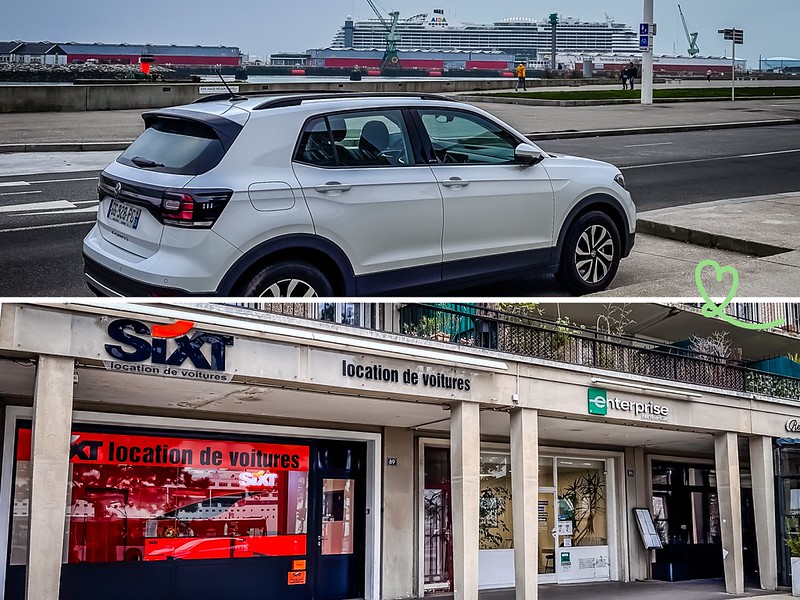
x=340 y=505
x=547 y=536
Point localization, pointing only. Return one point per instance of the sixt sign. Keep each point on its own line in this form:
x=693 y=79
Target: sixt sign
x=164 y=349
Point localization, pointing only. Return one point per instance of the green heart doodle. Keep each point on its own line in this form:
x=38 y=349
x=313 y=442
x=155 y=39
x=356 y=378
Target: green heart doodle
x=711 y=309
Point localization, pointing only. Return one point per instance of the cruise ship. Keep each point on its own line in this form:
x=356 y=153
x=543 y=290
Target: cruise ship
x=521 y=36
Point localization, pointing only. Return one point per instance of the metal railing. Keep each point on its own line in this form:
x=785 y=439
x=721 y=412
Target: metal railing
x=481 y=326
x=485 y=326
x=762 y=312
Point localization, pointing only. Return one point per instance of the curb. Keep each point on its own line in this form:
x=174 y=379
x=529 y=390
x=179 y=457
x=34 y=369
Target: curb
x=549 y=135
x=65 y=147
x=563 y=135
x=488 y=98
x=707 y=239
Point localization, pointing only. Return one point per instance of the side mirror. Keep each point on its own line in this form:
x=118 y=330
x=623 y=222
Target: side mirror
x=528 y=154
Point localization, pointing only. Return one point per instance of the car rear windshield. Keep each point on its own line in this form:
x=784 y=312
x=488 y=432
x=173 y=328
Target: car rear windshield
x=180 y=146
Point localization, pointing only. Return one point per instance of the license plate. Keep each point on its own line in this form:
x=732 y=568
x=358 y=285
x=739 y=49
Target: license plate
x=124 y=214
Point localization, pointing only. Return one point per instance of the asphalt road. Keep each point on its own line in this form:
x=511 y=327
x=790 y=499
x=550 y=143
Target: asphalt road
x=44 y=217
x=673 y=169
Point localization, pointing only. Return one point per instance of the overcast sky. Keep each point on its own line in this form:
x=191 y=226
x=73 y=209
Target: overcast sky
x=259 y=28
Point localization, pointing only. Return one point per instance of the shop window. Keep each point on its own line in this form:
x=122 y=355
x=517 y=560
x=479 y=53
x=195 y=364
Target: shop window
x=546 y=471
x=152 y=498
x=582 y=500
x=495 y=529
x=685 y=504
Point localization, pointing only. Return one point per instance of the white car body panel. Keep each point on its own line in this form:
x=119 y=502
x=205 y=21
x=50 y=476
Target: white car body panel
x=390 y=218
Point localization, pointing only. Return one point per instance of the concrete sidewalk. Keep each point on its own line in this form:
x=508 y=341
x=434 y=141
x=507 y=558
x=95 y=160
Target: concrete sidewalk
x=712 y=589
x=757 y=236
x=79 y=131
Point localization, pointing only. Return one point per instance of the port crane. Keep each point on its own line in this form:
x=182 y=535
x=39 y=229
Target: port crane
x=389 y=59
x=690 y=37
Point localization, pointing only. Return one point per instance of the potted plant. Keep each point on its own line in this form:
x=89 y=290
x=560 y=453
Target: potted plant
x=793 y=543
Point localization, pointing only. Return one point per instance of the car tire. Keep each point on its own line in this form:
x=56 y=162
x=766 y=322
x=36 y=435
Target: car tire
x=590 y=255
x=289 y=279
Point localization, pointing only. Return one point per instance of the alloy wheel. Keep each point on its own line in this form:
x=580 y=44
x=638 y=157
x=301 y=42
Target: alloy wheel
x=289 y=288
x=594 y=253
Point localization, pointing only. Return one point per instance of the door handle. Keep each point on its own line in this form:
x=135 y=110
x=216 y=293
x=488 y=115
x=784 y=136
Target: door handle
x=333 y=186
x=455 y=182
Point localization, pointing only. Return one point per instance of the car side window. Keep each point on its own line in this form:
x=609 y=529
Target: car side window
x=358 y=139
x=461 y=137
x=316 y=146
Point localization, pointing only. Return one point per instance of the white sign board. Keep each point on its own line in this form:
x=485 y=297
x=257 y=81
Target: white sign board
x=647 y=529
x=217 y=89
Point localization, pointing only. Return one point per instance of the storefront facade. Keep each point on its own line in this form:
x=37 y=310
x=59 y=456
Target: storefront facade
x=199 y=451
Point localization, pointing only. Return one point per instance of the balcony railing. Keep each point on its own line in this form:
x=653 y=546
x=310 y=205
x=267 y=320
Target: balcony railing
x=480 y=326
x=487 y=327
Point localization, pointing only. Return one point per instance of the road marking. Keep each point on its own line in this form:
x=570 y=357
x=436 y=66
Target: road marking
x=60 y=180
x=26 y=183
x=654 y=144
x=31 y=228
x=716 y=158
x=13 y=183
x=18 y=193
x=88 y=209
x=54 y=205
x=76 y=202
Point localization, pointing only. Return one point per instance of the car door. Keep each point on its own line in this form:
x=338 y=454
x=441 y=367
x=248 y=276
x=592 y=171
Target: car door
x=368 y=194
x=492 y=204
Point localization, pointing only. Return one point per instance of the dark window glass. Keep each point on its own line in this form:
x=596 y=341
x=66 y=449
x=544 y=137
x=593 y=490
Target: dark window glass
x=315 y=144
x=460 y=137
x=175 y=146
x=371 y=139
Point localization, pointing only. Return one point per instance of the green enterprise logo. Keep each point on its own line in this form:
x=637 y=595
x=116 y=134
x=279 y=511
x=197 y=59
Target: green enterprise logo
x=598 y=401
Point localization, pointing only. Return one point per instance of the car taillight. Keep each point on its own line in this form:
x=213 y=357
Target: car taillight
x=194 y=208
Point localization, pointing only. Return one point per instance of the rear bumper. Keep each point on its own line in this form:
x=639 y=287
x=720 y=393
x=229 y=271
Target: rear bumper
x=105 y=282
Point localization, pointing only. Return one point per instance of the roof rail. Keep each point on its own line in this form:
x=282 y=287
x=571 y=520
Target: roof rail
x=226 y=95
x=295 y=97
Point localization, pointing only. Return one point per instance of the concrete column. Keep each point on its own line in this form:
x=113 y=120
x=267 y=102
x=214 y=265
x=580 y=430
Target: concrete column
x=465 y=460
x=525 y=500
x=52 y=421
x=399 y=508
x=636 y=496
x=729 y=493
x=762 y=474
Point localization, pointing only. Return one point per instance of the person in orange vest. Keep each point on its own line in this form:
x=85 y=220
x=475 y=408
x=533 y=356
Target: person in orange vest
x=521 y=77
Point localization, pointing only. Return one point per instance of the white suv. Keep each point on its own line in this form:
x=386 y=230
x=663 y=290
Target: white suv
x=320 y=194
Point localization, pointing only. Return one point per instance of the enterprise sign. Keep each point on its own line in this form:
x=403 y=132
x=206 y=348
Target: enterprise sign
x=599 y=403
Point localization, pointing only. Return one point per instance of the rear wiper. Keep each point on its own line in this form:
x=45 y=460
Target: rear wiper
x=145 y=162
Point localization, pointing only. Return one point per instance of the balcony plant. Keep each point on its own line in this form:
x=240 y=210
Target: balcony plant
x=793 y=543
x=791 y=524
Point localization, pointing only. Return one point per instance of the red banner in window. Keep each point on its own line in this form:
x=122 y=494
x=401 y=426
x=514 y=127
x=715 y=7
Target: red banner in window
x=224 y=547
x=121 y=449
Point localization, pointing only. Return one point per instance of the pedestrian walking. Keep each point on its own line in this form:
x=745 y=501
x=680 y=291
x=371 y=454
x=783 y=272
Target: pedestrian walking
x=521 y=77
x=623 y=75
x=708 y=75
